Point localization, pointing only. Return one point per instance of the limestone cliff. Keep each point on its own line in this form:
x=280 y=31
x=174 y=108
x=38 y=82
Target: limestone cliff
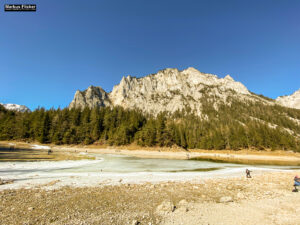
x=291 y=101
x=91 y=97
x=168 y=90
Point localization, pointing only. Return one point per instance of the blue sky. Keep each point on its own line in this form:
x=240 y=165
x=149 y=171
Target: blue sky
x=68 y=45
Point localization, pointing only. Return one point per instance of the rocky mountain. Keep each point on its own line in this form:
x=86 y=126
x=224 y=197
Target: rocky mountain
x=291 y=101
x=15 y=107
x=205 y=112
x=91 y=97
x=168 y=90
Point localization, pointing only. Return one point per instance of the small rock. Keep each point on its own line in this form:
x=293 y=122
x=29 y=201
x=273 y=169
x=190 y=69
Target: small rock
x=135 y=222
x=229 y=187
x=183 y=205
x=240 y=195
x=226 y=199
x=183 y=202
x=38 y=195
x=165 y=207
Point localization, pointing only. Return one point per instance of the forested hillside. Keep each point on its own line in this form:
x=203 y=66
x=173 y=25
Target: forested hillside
x=228 y=126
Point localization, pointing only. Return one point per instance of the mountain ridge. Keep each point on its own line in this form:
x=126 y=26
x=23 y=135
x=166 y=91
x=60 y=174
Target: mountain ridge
x=184 y=108
x=167 y=90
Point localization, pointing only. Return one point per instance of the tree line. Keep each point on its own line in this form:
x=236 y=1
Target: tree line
x=238 y=125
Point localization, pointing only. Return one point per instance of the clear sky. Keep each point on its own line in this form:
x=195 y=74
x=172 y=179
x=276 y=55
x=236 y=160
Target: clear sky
x=71 y=44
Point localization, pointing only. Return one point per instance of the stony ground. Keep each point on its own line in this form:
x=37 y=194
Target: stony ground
x=264 y=199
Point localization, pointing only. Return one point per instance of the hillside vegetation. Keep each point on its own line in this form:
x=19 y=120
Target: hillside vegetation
x=237 y=125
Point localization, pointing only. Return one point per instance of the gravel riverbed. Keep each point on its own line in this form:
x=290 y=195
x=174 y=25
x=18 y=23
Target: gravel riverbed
x=264 y=199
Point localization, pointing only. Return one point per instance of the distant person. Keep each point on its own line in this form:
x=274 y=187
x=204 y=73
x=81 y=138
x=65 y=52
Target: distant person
x=296 y=183
x=248 y=175
x=187 y=155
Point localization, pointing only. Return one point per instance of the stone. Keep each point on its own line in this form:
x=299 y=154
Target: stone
x=165 y=207
x=240 y=195
x=226 y=199
x=135 y=222
x=38 y=195
x=182 y=202
x=183 y=205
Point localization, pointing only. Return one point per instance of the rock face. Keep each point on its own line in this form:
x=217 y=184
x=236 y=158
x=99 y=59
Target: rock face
x=15 y=107
x=92 y=97
x=291 y=101
x=225 y=199
x=168 y=90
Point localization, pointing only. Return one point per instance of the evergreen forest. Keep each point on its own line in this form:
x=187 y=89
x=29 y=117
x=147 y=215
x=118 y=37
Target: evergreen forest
x=239 y=125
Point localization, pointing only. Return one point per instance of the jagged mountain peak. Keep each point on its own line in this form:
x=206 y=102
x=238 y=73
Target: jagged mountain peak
x=93 y=96
x=228 y=77
x=168 y=90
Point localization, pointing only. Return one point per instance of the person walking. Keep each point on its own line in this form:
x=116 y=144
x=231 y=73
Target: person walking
x=296 y=183
x=248 y=175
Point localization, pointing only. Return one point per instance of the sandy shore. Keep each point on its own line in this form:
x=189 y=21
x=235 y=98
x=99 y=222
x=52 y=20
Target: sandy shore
x=267 y=198
x=242 y=156
x=264 y=199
